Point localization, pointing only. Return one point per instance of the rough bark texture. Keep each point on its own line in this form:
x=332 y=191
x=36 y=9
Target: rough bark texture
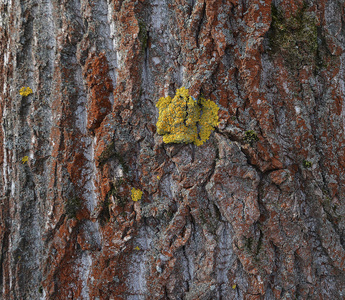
x=256 y=212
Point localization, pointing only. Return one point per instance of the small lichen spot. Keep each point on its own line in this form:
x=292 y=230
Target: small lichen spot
x=25 y=91
x=307 y=164
x=25 y=159
x=136 y=194
x=234 y=286
x=137 y=248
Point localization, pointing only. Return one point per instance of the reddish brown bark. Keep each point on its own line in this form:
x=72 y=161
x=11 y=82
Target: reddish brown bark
x=256 y=212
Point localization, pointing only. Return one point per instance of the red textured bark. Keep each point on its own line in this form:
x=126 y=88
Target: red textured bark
x=256 y=212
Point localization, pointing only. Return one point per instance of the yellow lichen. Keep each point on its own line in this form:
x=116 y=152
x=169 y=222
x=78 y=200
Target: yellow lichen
x=137 y=248
x=186 y=120
x=25 y=91
x=136 y=194
x=25 y=159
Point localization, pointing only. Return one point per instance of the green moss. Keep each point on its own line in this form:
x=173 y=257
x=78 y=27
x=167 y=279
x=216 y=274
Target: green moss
x=249 y=244
x=169 y=214
x=121 y=160
x=110 y=152
x=209 y=220
x=324 y=57
x=259 y=246
x=104 y=215
x=322 y=51
x=143 y=35
x=334 y=207
x=115 y=192
x=218 y=214
x=202 y=217
x=250 y=137
x=294 y=38
x=307 y=164
x=72 y=206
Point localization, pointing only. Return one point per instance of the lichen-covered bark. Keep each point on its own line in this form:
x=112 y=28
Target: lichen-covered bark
x=256 y=212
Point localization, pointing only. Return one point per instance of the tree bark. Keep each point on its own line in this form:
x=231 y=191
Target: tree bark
x=256 y=212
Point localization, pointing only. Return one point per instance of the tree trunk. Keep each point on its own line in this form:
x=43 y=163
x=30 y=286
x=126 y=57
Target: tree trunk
x=255 y=212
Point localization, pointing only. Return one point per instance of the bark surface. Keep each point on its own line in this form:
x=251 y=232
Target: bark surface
x=256 y=212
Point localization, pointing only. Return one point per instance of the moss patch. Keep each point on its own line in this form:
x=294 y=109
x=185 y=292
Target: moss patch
x=72 y=206
x=143 y=35
x=40 y=289
x=294 y=38
x=209 y=218
x=115 y=192
x=104 y=215
x=250 y=137
x=121 y=160
x=110 y=152
x=248 y=244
